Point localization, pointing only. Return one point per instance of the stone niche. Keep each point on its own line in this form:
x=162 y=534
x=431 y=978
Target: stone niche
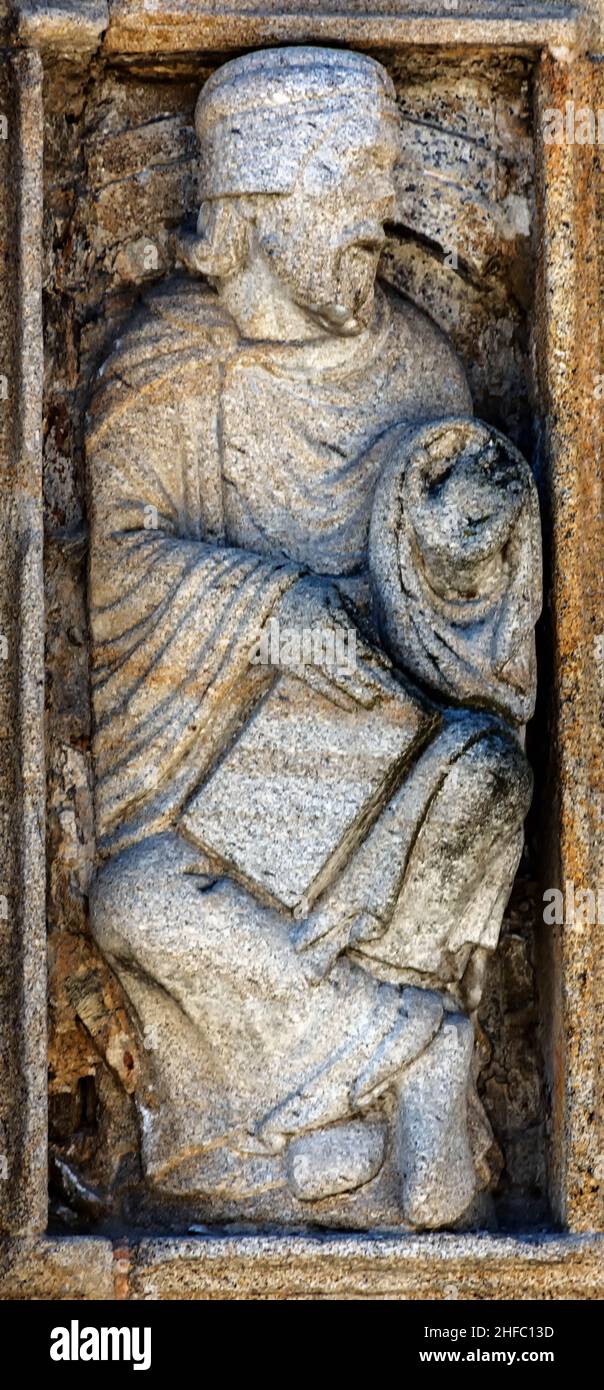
x=495 y=235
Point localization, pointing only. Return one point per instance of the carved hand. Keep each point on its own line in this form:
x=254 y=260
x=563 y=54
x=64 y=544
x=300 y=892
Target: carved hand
x=335 y=658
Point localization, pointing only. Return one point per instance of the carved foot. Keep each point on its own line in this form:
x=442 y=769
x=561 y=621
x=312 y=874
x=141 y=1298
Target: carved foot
x=335 y=1160
x=438 y=1180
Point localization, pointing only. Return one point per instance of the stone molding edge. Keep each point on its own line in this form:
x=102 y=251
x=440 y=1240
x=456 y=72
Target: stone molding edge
x=23 y=1190
x=126 y=27
x=73 y=26
x=31 y=730
x=568 y=358
x=225 y=1268
x=575 y=1264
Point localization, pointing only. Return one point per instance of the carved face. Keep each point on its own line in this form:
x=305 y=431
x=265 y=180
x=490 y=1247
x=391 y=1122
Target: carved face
x=324 y=240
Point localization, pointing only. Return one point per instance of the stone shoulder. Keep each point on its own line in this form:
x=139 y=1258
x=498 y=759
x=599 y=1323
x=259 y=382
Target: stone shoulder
x=179 y=327
x=414 y=333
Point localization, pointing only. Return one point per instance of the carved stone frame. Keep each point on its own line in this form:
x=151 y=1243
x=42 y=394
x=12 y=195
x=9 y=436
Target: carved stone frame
x=567 y=356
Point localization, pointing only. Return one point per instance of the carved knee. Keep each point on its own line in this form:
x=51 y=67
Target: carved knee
x=503 y=762
x=128 y=893
x=489 y=787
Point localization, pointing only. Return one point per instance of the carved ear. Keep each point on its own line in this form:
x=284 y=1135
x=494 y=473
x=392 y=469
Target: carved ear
x=221 y=245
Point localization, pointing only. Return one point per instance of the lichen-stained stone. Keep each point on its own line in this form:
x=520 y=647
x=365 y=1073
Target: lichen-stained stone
x=365 y=1267
x=131 y=170
x=57 y=1269
x=457 y=109
x=85 y=304
x=183 y=25
x=324 y=925
x=295 y=1266
x=460 y=245
x=485 y=316
x=22 y=927
x=64 y=25
x=568 y=352
x=459 y=492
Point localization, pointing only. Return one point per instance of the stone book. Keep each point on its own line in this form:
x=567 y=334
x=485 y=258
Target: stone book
x=298 y=789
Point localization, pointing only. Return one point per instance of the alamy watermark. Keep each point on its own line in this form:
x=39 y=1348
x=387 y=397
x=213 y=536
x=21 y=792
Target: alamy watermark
x=573 y=125
x=574 y=906
x=76 y=1343
x=332 y=647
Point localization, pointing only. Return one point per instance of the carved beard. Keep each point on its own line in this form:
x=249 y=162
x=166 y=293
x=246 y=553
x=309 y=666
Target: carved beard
x=341 y=300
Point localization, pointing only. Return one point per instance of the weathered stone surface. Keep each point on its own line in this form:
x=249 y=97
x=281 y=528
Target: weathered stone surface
x=511 y=1080
x=437 y=1178
x=181 y=25
x=569 y=363
x=460 y=245
x=57 y=1269
x=22 y=931
x=461 y=494
x=66 y=26
x=487 y=327
x=348 y=1266
x=325 y=1163
x=86 y=303
x=305 y=1267
x=396 y=866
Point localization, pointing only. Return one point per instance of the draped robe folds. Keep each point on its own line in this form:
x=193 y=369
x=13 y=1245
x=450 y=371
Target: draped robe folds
x=219 y=471
x=193 y=539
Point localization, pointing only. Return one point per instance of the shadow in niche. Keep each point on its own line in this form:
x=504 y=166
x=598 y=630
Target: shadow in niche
x=543 y=824
x=517 y=1006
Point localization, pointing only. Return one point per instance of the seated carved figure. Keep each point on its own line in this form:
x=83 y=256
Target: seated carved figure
x=304 y=859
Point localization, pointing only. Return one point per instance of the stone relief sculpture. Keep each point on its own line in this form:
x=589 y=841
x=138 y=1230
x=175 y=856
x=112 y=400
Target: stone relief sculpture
x=314 y=579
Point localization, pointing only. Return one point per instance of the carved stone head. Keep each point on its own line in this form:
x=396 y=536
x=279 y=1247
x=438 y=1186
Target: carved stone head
x=297 y=151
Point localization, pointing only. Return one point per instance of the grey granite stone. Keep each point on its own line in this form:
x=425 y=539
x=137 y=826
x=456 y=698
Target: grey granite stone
x=292 y=835
x=354 y=1266
x=23 y=1109
x=66 y=26
x=326 y=1162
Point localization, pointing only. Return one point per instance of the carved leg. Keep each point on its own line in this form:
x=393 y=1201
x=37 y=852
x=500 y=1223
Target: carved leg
x=455 y=891
x=245 y=1054
x=438 y=1179
x=461 y=867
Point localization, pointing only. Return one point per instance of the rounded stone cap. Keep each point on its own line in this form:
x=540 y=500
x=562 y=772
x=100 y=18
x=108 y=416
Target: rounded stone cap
x=259 y=117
